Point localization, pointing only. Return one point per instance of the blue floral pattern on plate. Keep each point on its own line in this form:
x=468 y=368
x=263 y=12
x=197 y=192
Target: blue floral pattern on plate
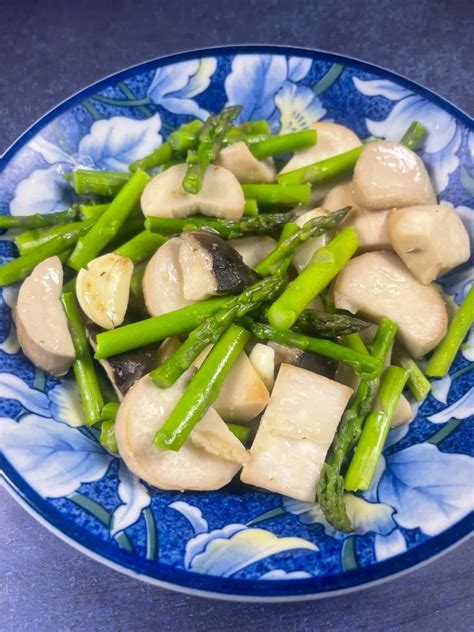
x=236 y=542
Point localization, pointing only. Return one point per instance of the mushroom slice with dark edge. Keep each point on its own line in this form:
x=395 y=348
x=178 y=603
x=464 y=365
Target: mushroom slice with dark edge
x=163 y=280
x=238 y=159
x=41 y=323
x=378 y=284
x=430 y=240
x=220 y=196
x=303 y=359
x=295 y=433
x=143 y=411
x=103 y=289
x=209 y=266
x=389 y=175
x=124 y=369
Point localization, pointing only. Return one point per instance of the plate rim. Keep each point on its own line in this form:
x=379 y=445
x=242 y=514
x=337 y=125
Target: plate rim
x=371 y=576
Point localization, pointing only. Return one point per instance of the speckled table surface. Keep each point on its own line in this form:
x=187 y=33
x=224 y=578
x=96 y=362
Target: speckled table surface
x=50 y=49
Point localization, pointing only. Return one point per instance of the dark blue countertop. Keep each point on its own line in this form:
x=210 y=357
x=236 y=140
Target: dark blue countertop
x=49 y=50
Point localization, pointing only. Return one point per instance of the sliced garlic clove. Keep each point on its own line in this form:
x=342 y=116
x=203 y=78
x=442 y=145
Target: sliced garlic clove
x=103 y=289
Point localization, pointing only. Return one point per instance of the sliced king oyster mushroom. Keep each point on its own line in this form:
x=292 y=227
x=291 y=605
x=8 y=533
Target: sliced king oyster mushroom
x=295 y=433
x=103 y=289
x=143 y=411
x=389 y=175
x=303 y=359
x=220 y=196
x=41 y=323
x=238 y=159
x=371 y=226
x=253 y=249
x=430 y=240
x=378 y=284
x=262 y=358
x=305 y=252
x=209 y=266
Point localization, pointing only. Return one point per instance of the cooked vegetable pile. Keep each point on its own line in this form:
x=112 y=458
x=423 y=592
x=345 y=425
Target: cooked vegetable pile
x=219 y=286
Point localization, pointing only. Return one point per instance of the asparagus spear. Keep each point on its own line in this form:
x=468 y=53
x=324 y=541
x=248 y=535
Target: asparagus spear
x=241 y=432
x=313 y=228
x=18 y=269
x=354 y=342
x=252 y=129
x=32 y=239
x=38 y=220
x=374 y=433
x=326 y=263
x=414 y=136
x=323 y=170
x=107 y=436
x=109 y=223
x=281 y=267
x=284 y=143
x=110 y=410
x=202 y=389
x=142 y=246
x=444 y=354
x=251 y=208
x=359 y=362
x=157 y=328
x=159 y=157
x=278 y=195
x=331 y=482
x=88 y=211
x=325 y=325
x=101 y=183
x=417 y=382
x=227 y=229
x=212 y=328
x=211 y=138
x=83 y=366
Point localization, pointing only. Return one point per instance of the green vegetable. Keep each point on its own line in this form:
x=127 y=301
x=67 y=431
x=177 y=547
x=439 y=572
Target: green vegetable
x=417 y=382
x=186 y=137
x=38 y=220
x=414 y=136
x=109 y=223
x=330 y=489
x=110 y=410
x=227 y=229
x=142 y=246
x=107 y=436
x=284 y=143
x=312 y=228
x=251 y=208
x=157 y=158
x=374 y=433
x=87 y=211
x=328 y=325
x=211 y=138
x=359 y=362
x=277 y=195
x=446 y=351
x=323 y=170
x=354 y=342
x=246 y=131
x=326 y=263
x=19 y=268
x=241 y=432
x=202 y=389
x=101 y=183
x=83 y=365
x=212 y=328
x=145 y=332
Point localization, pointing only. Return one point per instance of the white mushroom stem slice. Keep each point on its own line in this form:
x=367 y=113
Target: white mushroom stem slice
x=163 y=280
x=403 y=413
x=209 y=266
x=378 y=284
x=103 y=289
x=389 y=175
x=253 y=249
x=41 y=324
x=262 y=358
x=332 y=139
x=220 y=196
x=214 y=436
x=371 y=226
x=238 y=159
x=305 y=252
x=243 y=395
x=430 y=240
x=295 y=433
x=143 y=411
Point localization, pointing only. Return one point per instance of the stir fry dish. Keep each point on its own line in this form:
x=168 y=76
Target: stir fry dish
x=246 y=304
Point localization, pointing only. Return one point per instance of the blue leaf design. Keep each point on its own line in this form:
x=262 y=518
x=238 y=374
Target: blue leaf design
x=429 y=489
x=12 y=387
x=53 y=458
x=387 y=546
x=43 y=191
x=462 y=409
x=134 y=497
